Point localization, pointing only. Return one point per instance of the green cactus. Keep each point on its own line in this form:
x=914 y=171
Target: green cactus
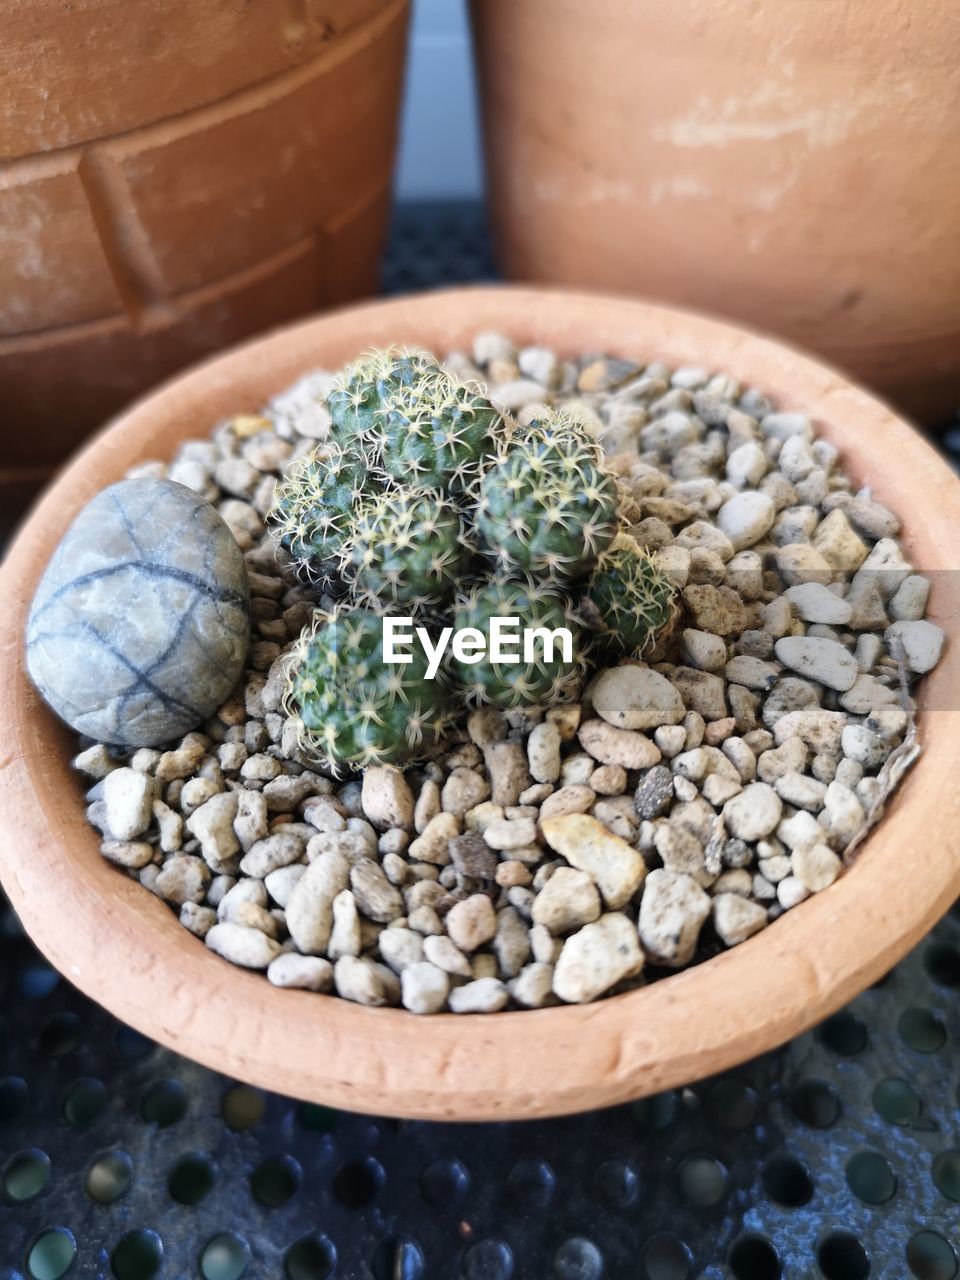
x=629 y=599
x=415 y=422
x=354 y=708
x=547 y=507
x=357 y=399
x=436 y=434
x=314 y=511
x=408 y=547
x=544 y=679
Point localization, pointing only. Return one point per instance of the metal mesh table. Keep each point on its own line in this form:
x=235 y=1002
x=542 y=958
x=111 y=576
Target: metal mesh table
x=837 y=1158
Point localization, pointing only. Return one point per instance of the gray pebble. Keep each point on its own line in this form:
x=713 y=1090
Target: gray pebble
x=137 y=633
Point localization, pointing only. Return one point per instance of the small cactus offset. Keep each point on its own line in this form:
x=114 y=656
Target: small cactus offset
x=407 y=547
x=314 y=512
x=629 y=599
x=357 y=399
x=353 y=708
x=546 y=676
x=547 y=507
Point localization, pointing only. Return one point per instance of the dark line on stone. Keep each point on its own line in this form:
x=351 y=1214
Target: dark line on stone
x=142 y=681
x=125 y=521
x=221 y=595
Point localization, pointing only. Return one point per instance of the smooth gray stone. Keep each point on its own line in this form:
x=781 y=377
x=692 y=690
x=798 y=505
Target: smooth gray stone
x=141 y=622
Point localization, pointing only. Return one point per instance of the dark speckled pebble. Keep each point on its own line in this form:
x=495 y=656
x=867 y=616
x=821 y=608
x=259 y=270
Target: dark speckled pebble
x=654 y=794
x=141 y=622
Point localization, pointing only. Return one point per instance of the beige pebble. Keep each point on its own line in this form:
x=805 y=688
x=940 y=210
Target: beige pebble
x=128 y=853
x=280 y=883
x=543 y=752
x=275 y=851
x=533 y=986
x=566 y=719
x=386 y=798
x=485 y=995
x=596 y=958
x=427 y=805
x=609 y=780
x=183 y=878
x=128 y=800
x=753 y=813
x=625 y=747
x=431 y=844
x=790 y=892
x=247 y=947
x=815 y=866
x=424 y=987
x=617 y=869
x=359 y=980
x=169 y=825
x=511 y=943
x=95 y=761
x=575 y=798
x=635 y=697
x=567 y=901
x=183 y=760
x=577 y=769
x=472 y=922
x=376 y=897
x=682 y=853
x=463 y=790
x=512 y=872
x=401 y=947
x=735 y=918
x=309 y=908
x=212 y=824
x=673 y=910
x=505 y=834
x=199 y=920
x=445 y=954
x=345 y=934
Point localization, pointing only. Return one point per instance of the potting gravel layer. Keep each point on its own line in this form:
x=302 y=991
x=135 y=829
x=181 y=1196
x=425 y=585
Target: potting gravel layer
x=555 y=854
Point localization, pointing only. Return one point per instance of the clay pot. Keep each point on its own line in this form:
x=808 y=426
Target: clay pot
x=174 y=178
x=785 y=164
x=126 y=949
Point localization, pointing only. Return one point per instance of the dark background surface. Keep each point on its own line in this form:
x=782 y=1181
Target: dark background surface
x=836 y=1158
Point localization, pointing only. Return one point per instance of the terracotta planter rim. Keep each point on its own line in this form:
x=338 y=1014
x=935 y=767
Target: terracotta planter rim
x=126 y=949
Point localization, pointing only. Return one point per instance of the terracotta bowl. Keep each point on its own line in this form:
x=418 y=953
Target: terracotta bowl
x=126 y=949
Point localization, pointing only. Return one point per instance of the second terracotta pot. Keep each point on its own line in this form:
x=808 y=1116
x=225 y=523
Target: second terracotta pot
x=794 y=165
x=174 y=178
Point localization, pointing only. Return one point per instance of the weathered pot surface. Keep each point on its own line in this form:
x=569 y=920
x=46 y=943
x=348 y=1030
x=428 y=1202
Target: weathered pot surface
x=779 y=163
x=174 y=179
x=126 y=949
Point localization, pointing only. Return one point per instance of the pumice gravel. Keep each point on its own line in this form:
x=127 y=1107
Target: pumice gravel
x=554 y=854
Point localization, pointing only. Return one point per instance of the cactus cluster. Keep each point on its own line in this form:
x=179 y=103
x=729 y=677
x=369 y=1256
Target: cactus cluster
x=427 y=503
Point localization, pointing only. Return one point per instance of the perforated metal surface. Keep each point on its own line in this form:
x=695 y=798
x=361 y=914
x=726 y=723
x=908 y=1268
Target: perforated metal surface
x=836 y=1159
